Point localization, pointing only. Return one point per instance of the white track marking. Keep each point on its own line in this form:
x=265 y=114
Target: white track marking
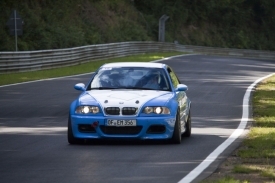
x=44 y=80
x=213 y=156
x=31 y=131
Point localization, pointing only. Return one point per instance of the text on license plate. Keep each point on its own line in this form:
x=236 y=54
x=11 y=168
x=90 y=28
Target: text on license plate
x=121 y=122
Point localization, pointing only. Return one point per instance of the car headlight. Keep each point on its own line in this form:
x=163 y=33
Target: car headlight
x=157 y=110
x=87 y=109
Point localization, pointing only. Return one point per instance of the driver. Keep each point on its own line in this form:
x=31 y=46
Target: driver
x=153 y=82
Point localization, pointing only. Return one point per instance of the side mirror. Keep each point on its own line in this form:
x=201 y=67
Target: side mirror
x=80 y=86
x=181 y=87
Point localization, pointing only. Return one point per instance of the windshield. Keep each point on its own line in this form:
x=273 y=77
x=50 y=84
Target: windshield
x=130 y=78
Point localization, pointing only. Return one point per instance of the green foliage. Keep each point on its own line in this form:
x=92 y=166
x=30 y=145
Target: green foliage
x=260 y=144
x=264 y=103
x=265 y=171
x=51 y=24
x=226 y=23
x=245 y=169
x=226 y=179
x=268 y=172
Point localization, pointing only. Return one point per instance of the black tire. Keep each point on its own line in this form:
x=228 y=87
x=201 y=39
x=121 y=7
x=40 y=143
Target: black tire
x=70 y=135
x=176 y=138
x=187 y=132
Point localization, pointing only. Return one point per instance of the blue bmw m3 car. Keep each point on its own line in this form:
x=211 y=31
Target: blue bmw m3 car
x=131 y=100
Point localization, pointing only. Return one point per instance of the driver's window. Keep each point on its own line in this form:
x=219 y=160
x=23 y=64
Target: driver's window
x=174 y=78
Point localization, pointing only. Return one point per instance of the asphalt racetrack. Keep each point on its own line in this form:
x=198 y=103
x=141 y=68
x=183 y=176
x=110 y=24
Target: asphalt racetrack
x=33 y=129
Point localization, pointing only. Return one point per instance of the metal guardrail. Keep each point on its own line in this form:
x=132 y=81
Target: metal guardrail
x=22 y=61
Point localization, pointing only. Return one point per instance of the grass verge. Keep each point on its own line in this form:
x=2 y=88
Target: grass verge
x=254 y=160
x=79 y=69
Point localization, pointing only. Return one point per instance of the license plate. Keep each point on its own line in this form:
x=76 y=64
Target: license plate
x=121 y=122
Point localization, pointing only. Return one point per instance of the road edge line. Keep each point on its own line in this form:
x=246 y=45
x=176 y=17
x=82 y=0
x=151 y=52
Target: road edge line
x=214 y=155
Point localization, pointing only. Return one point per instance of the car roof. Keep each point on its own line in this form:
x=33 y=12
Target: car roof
x=135 y=64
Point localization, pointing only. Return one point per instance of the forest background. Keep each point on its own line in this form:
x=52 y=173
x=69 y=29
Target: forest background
x=54 y=24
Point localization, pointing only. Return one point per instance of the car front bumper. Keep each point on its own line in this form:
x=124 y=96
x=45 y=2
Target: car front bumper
x=146 y=127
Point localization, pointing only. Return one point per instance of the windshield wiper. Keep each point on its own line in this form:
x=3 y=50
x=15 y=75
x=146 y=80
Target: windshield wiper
x=117 y=88
x=131 y=87
x=148 y=89
x=153 y=89
x=136 y=88
x=104 y=88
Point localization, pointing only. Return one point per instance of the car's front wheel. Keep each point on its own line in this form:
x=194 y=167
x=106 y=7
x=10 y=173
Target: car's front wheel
x=70 y=135
x=176 y=138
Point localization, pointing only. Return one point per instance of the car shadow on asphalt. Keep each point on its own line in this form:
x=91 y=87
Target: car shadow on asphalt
x=122 y=142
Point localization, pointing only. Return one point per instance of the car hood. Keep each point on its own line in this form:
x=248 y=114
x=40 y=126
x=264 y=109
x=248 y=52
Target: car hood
x=127 y=98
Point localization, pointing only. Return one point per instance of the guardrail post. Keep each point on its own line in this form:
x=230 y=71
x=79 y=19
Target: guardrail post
x=162 y=20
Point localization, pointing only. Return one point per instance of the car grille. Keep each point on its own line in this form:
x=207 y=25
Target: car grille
x=129 y=110
x=112 y=110
x=127 y=130
x=124 y=111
